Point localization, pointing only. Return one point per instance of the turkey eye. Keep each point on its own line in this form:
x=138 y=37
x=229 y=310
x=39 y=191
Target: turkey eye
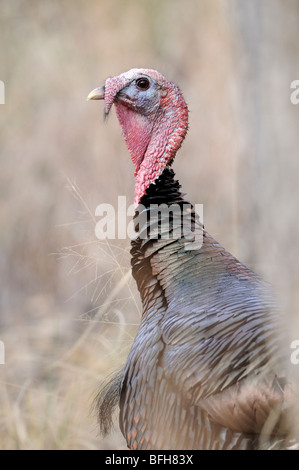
x=142 y=83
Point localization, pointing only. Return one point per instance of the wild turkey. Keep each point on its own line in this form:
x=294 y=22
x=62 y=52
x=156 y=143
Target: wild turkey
x=206 y=369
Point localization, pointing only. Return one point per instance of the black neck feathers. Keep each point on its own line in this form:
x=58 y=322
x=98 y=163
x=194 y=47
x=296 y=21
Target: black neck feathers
x=159 y=220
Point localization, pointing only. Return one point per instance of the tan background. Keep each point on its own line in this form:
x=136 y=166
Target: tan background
x=69 y=308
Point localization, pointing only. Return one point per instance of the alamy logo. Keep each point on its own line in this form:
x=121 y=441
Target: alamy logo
x=161 y=221
x=295 y=354
x=2 y=92
x=295 y=94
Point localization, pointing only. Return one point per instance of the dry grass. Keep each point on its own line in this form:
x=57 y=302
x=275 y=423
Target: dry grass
x=68 y=306
x=55 y=361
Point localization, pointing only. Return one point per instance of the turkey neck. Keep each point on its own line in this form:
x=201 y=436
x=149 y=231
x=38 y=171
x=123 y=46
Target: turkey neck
x=165 y=191
x=153 y=138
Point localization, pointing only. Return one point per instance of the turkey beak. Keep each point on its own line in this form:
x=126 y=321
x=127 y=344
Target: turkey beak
x=97 y=94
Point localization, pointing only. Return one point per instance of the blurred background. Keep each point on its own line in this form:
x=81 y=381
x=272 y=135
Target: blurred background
x=69 y=309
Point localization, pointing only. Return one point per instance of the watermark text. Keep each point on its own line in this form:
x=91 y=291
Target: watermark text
x=295 y=354
x=158 y=221
x=295 y=94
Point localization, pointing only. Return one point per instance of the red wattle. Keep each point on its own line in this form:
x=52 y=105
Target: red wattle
x=136 y=130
